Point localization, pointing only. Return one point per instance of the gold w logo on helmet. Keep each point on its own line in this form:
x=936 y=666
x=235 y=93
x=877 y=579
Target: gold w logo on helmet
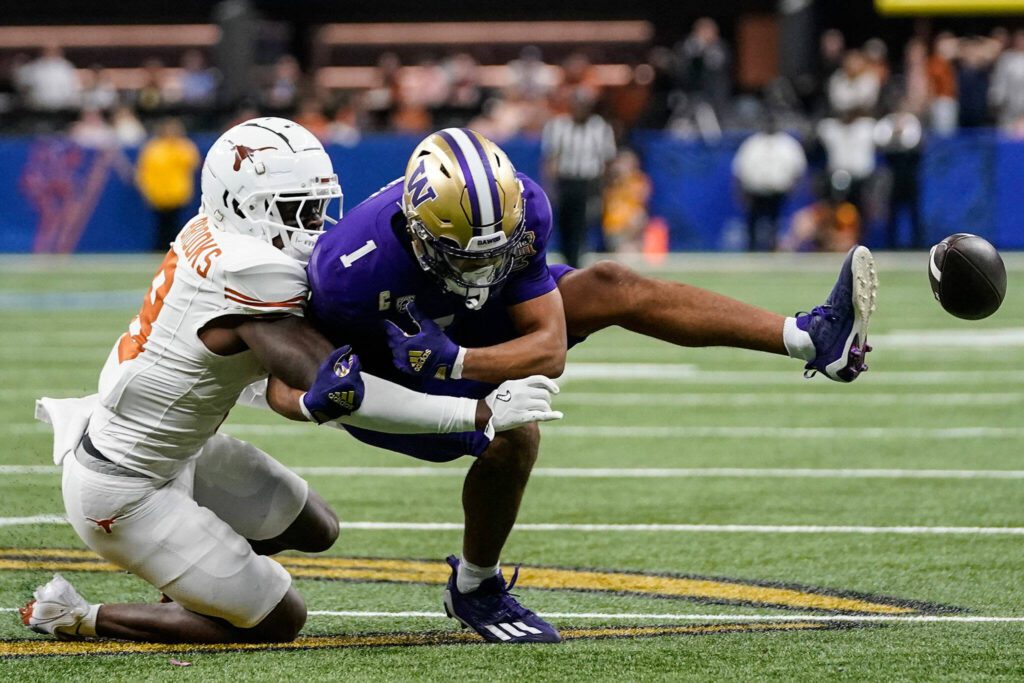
x=417 y=359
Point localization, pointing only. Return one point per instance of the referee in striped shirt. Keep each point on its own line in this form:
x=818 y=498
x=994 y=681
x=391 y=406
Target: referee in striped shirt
x=577 y=147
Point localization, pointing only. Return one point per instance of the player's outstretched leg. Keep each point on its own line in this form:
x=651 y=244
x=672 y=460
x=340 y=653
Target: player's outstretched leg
x=57 y=609
x=477 y=594
x=831 y=338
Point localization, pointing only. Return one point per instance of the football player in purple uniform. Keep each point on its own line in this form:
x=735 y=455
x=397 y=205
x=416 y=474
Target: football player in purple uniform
x=447 y=268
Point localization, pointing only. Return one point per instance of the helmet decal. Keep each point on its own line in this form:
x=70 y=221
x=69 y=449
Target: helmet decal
x=419 y=187
x=480 y=186
x=242 y=153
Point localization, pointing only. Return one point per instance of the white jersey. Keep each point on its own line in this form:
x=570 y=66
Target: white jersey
x=162 y=393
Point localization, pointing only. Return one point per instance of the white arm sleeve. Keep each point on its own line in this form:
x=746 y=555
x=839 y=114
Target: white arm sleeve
x=391 y=408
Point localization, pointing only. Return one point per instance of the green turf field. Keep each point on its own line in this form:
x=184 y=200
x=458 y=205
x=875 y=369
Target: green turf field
x=739 y=522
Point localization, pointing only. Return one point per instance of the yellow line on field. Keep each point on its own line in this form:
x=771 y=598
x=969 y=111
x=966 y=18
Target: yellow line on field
x=35 y=648
x=429 y=572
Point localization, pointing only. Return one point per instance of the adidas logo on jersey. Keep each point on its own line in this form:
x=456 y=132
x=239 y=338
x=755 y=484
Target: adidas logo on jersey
x=417 y=359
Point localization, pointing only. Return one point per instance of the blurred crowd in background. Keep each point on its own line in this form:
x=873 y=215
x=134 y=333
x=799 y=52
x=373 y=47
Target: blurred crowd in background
x=849 y=136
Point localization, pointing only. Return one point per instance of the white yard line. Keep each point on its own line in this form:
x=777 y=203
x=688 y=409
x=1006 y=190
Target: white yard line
x=656 y=431
x=632 y=528
x=605 y=398
x=620 y=472
x=676 y=373
x=738 y=618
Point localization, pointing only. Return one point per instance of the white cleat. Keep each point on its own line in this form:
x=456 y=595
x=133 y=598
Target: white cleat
x=57 y=610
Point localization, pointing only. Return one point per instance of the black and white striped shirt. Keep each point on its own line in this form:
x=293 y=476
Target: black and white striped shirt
x=580 y=150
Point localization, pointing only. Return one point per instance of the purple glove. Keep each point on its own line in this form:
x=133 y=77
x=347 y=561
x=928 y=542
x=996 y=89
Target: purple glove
x=427 y=352
x=338 y=388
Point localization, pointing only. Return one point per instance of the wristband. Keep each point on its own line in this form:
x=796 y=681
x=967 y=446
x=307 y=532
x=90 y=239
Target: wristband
x=304 y=409
x=460 y=360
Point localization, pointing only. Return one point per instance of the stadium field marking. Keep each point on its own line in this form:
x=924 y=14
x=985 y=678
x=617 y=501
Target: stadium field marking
x=569 y=397
x=684 y=373
x=735 y=618
x=656 y=431
x=697 y=400
x=677 y=528
x=621 y=472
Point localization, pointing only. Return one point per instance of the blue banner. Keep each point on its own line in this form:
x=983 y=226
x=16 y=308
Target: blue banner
x=58 y=197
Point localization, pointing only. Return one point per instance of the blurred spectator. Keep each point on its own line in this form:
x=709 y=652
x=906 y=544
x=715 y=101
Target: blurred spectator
x=50 y=83
x=767 y=165
x=346 y=128
x=576 y=148
x=9 y=84
x=501 y=117
x=285 y=80
x=92 y=131
x=975 y=67
x=426 y=85
x=625 y=204
x=899 y=136
x=385 y=98
x=915 y=76
x=659 y=106
x=311 y=117
x=410 y=118
x=831 y=48
x=830 y=223
x=1006 y=94
x=854 y=89
x=942 y=83
x=464 y=78
x=876 y=56
x=530 y=75
x=165 y=176
x=850 y=151
x=99 y=91
x=198 y=84
x=128 y=130
x=150 y=98
x=577 y=77
x=705 y=65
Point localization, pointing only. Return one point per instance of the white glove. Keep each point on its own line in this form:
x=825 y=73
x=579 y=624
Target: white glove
x=518 y=402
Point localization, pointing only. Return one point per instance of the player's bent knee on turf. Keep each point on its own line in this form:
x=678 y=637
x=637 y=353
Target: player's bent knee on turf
x=283 y=624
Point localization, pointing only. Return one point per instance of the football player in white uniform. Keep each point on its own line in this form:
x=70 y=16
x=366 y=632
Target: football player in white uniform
x=150 y=485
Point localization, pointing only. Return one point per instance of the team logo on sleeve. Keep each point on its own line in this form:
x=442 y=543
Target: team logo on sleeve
x=524 y=251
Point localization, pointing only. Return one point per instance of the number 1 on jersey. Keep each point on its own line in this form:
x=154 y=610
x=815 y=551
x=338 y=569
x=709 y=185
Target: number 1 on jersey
x=348 y=259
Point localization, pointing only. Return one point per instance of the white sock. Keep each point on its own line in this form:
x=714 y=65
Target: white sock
x=470 y=576
x=798 y=342
x=87 y=626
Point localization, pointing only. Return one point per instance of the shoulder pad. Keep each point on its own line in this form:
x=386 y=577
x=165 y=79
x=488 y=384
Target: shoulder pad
x=257 y=278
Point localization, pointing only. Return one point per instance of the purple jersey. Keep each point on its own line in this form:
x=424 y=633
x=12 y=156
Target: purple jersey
x=363 y=271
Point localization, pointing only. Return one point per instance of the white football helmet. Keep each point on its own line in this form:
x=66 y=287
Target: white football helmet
x=270 y=178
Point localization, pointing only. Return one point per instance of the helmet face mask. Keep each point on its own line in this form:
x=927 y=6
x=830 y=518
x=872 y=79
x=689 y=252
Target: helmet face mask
x=465 y=211
x=271 y=179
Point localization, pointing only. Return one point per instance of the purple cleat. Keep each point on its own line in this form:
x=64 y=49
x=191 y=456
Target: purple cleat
x=839 y=327
x=495 y=613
